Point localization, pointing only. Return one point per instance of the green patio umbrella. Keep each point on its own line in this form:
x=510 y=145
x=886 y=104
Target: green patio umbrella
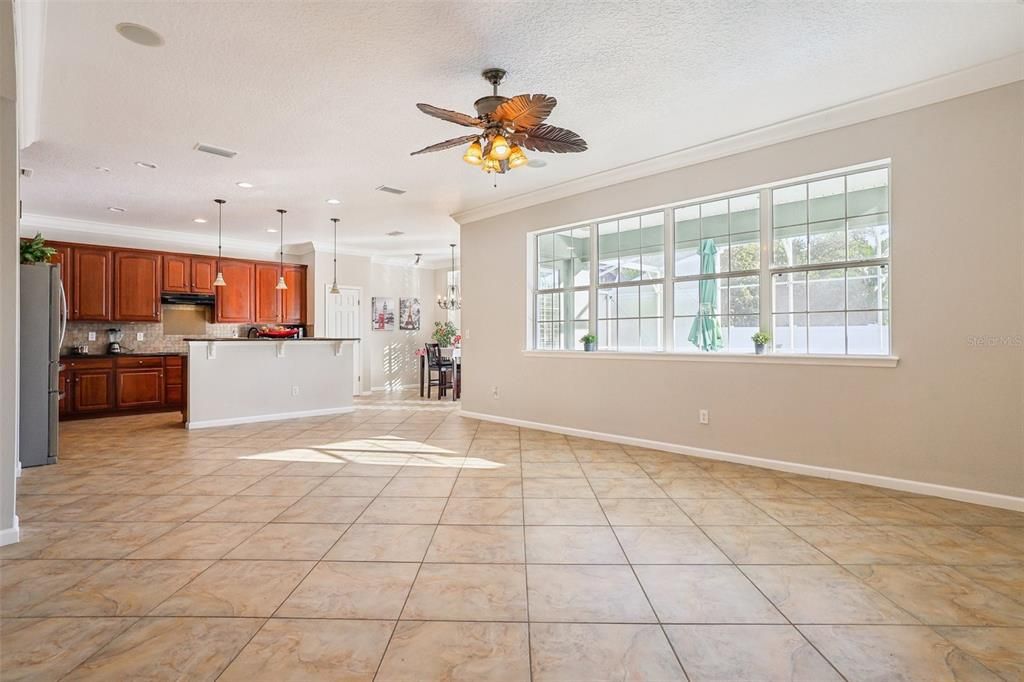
x=705 y=333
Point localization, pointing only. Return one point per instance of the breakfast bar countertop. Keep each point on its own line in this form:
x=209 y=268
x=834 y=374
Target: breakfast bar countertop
x=267 y=338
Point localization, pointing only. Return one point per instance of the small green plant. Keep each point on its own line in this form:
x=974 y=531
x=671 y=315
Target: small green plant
x=35 y=250
x=761 y=338
x=588 y=338
x=444 y=332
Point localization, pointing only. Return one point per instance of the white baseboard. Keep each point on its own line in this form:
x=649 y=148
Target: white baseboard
x=17 y=468
x=232 y=421
x=8 y=536
x=906 y=485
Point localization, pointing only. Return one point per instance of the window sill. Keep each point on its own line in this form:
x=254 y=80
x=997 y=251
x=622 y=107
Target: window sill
x=742 y=358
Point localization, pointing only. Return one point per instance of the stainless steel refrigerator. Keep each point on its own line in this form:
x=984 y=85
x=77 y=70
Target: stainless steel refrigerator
x=43 y=323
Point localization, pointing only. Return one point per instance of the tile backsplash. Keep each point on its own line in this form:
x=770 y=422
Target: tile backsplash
x=155 y=341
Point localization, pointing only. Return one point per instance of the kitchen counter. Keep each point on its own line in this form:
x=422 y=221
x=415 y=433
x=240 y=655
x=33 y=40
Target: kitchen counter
x=206 y=339
x=107 y=356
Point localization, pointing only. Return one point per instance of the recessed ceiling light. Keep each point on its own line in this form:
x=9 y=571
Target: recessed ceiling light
x=199 y=220
x=115 y=209
x=139 y=34
x=245 y=185
x=145 y=164
x=101 y=169
x=536 y=163
x=334 y=202
x=271 y=229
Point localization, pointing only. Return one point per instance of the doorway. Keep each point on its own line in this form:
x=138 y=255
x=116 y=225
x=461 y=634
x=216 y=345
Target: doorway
x=342 y=315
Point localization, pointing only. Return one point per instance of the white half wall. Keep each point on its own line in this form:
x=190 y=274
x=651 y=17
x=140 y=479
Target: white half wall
x=951 y=413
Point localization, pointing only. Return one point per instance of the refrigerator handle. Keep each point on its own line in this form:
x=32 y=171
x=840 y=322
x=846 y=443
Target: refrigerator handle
x=63 y=317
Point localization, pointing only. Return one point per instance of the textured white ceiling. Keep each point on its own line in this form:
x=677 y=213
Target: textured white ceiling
x=318 y=98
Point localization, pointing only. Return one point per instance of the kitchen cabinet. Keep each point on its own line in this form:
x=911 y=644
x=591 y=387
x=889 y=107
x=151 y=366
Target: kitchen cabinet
x=235 y=300
x=293 y=299
x=268 y=298
x=177 y=273
x=137 y=286
x=174 y=384
x=62 y=257
x=92 y=279
x=143 y=387
x=92 y=390
x=64 y=383
x=204 y=271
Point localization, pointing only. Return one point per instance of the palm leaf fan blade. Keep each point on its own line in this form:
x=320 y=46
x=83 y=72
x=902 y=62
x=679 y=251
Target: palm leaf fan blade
x=525 y=111
x=450 y=116
x=548 y=138
x=447 y=144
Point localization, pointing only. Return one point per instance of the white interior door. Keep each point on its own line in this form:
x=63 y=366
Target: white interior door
x=342 y=315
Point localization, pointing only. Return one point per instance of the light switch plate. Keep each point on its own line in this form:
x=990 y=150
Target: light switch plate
x=140 y=336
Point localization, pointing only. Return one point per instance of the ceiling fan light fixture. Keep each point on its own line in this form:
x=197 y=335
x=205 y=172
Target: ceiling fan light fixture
x=499 y=148
x=474 y=154
x=516 y=157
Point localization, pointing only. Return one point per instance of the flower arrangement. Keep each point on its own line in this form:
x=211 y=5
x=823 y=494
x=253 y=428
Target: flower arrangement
x=444 y=332
x=457 y=341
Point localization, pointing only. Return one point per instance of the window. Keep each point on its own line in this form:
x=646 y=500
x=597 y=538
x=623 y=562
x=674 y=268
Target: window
x=562 y=299
x=830 y=265
x=717 y=280
x=631 y=283
x=807 y=261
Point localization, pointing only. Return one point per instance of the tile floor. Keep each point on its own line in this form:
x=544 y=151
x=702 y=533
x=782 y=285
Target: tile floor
x=405 y=542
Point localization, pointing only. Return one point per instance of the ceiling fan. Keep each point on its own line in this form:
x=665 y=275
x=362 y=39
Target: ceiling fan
x=507 y=126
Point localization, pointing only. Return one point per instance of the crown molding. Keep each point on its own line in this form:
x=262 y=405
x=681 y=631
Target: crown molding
x=957 y=84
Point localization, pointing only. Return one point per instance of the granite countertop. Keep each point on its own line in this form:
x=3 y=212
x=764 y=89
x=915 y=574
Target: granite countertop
x=244 y=338
x=137 y=354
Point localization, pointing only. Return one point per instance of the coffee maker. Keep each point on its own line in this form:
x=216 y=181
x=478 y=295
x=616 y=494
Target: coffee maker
x=114 y=336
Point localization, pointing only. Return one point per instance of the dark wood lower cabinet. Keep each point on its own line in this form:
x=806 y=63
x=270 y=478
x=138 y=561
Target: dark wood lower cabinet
x=125 y=384
x=140 y=388
x=92 y=390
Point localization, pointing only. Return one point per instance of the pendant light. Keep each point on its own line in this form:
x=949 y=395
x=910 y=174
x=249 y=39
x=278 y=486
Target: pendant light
x=219 y=282
x=334 y=284
x=452 y=301
x=280 y=279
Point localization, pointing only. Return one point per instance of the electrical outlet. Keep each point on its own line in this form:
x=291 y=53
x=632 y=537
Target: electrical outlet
x=140 y=336
x=494 y=392
x=295 y=390
x=92 y=336
x=234 y=333
x=704 y=417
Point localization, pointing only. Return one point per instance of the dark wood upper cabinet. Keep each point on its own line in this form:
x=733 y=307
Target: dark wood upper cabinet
x=91 y=273
x=235 y=300
x=204 y=271
x=93 y=390
x=268 y=298
x=137 y=286
x=293 y=299
x=62 y=257
x=177 y=273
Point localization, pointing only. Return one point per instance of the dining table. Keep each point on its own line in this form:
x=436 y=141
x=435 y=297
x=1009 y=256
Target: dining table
x=455 y=353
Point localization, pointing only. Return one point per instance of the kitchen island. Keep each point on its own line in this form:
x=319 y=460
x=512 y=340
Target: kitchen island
x=238 y=381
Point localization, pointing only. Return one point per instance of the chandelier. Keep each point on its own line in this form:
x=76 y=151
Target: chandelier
x=452 y=301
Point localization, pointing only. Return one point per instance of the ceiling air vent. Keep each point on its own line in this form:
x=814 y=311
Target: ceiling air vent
x=390 y=190
x=216 y=151
x=394 y=233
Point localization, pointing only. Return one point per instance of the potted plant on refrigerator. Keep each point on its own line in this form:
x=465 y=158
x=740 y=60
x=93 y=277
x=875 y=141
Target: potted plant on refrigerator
x=589 y=342
x=35 y=250
x=760 y=339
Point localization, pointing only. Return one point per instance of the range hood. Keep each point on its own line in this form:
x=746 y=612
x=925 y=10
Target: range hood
x=188 y=299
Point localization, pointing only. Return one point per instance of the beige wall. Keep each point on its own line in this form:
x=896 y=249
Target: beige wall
x=8 y=278
x=387 y=357
x=951 y=413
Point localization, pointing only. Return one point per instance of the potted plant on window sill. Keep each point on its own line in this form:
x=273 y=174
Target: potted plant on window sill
x=760 y=339
x=589 y=342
